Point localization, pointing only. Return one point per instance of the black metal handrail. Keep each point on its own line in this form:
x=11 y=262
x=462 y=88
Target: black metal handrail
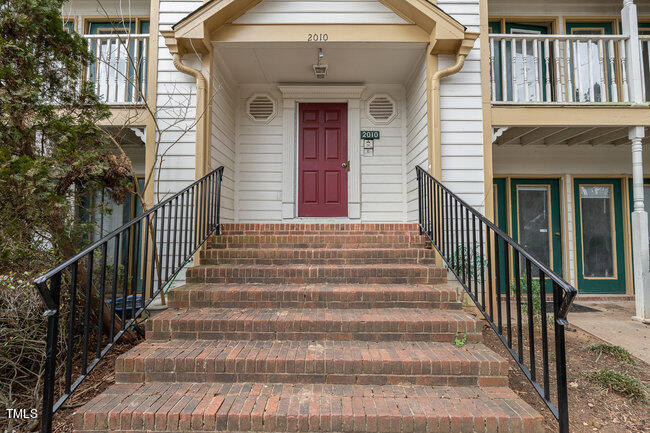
x=478 y=254
x=117 y=265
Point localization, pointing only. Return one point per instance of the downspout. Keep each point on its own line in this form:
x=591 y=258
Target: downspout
x=461 y=54
x=200 y=110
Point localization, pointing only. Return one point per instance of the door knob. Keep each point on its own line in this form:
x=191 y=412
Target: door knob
x=346 y=165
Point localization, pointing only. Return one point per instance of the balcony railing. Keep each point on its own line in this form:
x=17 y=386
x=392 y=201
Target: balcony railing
x=119 y=69
x=645 y=65
x=558 y=69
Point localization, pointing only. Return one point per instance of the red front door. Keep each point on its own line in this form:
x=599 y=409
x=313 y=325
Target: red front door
x=323 y=160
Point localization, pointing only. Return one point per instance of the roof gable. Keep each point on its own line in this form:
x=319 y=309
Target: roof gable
x=320 y=12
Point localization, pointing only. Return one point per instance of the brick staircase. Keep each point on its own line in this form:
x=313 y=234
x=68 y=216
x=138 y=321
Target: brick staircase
x=315 y=327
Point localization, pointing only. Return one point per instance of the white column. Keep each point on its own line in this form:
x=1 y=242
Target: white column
x=640 y=250
x=630 y=24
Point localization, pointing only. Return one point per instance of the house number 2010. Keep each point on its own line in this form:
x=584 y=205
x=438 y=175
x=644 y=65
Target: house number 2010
x=317 y=37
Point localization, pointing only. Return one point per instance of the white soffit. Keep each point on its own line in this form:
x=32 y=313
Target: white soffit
x=293 y=63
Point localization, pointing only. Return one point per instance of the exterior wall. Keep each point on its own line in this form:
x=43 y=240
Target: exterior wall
x=580 y=8
x=565 y=162
x=175 y=113
x=222 y=143
x=260 y=161
x=176 y=107
x=462 y=115
x=383 y=195
x=323 y=11
x=259 y=153
x=417 y=135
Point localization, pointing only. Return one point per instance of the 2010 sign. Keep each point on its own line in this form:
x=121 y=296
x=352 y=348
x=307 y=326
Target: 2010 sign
x=370 y=135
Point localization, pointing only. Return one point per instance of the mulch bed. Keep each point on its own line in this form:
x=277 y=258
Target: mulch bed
x=591 y=409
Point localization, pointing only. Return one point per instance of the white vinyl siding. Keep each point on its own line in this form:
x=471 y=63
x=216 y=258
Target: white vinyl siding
x=462 y=115
x=259 y=162
x=382 y=175
x=224 y=105
x=417 y=135
x=328 y=11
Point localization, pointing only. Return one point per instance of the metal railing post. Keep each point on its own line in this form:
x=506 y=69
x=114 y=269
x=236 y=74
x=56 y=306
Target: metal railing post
x=50 y=351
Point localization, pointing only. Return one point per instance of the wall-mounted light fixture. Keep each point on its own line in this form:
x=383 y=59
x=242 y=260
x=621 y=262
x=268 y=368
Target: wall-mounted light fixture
x=320 y=70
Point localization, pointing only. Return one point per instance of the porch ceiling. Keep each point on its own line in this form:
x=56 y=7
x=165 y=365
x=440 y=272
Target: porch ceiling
x=275 y=63
x=568 y=136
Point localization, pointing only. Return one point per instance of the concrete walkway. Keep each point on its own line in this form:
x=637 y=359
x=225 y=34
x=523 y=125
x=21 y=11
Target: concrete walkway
x=612 y=321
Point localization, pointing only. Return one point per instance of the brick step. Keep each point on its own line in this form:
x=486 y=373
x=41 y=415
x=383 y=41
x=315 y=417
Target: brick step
x=319 y=240
x=257 y=407
x=314 y=274
x=318 y=228
x=313 y=296
x=384 y=324
x=267 y=256
x=343 y=362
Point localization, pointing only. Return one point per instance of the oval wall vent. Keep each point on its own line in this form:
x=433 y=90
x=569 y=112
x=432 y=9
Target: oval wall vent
x=261 y=108
x=381 y=109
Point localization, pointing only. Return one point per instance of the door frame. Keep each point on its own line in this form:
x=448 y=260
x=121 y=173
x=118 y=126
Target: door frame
x=618 y=224
x=556 y=255
x=292 y=95
x=343 y=128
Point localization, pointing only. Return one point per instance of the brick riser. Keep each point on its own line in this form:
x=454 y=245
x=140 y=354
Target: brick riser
x=309 y=324
x=317 y=256
x=318 y=228
x=348 y=362
x=328 y=296
x=306 y=274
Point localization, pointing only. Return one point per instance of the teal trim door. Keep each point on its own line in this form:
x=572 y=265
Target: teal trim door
x=600 y=253
x=537 y=222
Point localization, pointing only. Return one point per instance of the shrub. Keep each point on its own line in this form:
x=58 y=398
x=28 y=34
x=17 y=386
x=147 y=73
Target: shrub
x=22 y=347
x=535 y=292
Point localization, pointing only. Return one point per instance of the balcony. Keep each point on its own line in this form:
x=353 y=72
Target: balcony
x=119 y=69
x=559 y=69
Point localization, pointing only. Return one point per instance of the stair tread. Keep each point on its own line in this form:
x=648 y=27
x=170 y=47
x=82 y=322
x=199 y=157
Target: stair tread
x=280 y=361
x=306 y=407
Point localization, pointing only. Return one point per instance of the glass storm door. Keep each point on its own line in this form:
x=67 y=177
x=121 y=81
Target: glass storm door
x=536 y=221
x=599 y=236
x=587 y=74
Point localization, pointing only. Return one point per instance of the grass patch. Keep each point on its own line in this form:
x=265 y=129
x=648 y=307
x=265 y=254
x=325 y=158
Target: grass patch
x=622 y=383
x=610 y=349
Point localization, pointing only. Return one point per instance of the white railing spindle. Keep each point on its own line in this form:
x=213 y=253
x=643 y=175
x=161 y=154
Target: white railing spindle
x=612 y=69
x=492 y=74
x=561 y=71
x=119 y=60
